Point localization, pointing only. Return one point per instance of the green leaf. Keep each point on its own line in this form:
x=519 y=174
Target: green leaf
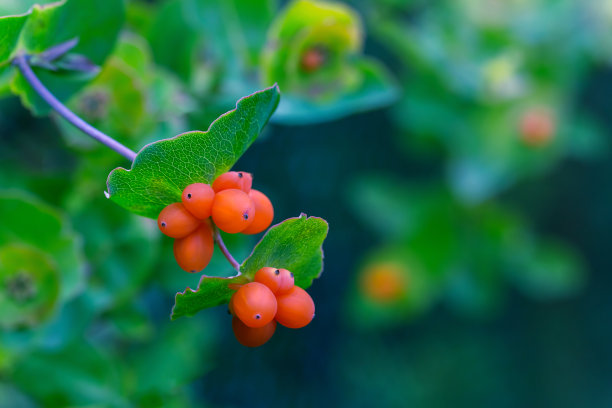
x=10 y=28
x=37 y=225
x=210 y=292
x=29 y=286
x=294 y=244
x=163 y=169
x=377 y=88
x=96 y=24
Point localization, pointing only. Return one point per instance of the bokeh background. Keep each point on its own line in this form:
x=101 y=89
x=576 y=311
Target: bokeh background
x=460 y=151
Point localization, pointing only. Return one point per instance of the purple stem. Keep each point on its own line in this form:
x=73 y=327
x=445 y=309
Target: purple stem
x=225 y=251
x=21 y=61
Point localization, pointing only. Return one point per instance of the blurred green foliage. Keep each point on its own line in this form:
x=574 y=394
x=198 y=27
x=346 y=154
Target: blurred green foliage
x=444 y=283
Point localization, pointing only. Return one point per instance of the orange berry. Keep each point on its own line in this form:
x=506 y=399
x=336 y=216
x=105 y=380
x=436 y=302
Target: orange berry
x=264 y=213
x=295 y=308
x=198 y=198
x=232 y=210
x=238 y=180
x=537 y=127
x=176 y=222
x=312 y=59
x=277 y=280
x=193 y=253
x=254 y=304
x=250 y=336
x=287 y=282
x=384 y=282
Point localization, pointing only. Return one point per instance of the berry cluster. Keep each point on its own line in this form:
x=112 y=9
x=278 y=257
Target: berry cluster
x=272 y=297
x=234 y=207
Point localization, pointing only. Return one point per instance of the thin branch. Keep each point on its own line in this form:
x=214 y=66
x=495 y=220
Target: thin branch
x=225 y=251
x=21 y=61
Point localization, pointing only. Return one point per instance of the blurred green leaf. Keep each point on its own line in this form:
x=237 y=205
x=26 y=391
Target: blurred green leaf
x=376 y=89
x=10 y=29
x=549 y=271
x=83 y=375
x=30 y=286
x=163 y=169
x=36 y=224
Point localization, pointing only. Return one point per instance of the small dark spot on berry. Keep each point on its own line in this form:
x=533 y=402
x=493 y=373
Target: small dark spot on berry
x=257 y=316
x=189 y=195
x=291 y=274
x=163 y=224
x=239 y=175
x=276 y=272
x=193 y=271
x=246 y=216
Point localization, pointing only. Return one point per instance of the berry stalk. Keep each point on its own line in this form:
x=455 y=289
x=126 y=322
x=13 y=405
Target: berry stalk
x=21 y=61
x=219 y=240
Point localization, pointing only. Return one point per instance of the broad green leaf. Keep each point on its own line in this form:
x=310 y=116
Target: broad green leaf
x=30 y=286
x=294 y=244
x=35 y=224
x=377 y=88
x=163 y=169
x=96 y=24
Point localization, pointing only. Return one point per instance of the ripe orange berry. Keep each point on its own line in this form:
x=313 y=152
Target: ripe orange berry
x=254 y=304
x=232 y=210
x=537 y=127
x=176 y=222
x=238 y=180
x=193 y=253
x=295 y=308
x=277 y=280
x=198 y=198
x=312 y=59
x=384 y=282
x=264 y=213
x=250 y=336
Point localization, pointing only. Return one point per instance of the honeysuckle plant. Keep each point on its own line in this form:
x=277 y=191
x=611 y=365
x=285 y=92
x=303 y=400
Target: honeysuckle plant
x=46 y=61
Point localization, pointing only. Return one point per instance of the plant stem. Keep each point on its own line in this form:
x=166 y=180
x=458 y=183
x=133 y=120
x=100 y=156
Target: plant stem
x=21 y=61
x=224 y=250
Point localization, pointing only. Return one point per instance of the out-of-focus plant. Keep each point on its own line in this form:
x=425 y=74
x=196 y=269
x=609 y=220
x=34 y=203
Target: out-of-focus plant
x=223 y=50
x=314 y=52
x=435 y=248
x=477 y=75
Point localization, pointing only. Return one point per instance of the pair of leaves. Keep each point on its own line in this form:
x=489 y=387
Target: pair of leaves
x=41 y=262
x=345 y=82
x=95 y=24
